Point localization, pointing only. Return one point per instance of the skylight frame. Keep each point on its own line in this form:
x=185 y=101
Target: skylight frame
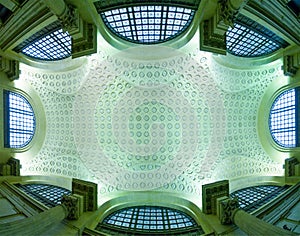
x=283 y=119
x=19 y=120
x=163 y=22
x=49 y=44
x=47 y=194
x=150 y=219
x=250 y=39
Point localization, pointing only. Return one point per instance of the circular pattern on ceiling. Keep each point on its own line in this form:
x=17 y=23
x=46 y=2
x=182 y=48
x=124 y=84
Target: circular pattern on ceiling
x=139 y=124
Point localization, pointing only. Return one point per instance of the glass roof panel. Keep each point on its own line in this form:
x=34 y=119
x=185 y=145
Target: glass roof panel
x=249 y=39
x=148 y=24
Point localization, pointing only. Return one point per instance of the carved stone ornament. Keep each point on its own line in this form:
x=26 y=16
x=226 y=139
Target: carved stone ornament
x=226 y=209
x=69 y=19
x=10 y=67
x=73 y=204
x=226 y=12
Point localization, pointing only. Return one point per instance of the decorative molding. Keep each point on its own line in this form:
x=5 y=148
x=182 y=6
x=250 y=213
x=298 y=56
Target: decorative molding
x=291 y=64
x=225 y=209
x=23 y=20
x=226 y=13
x=212 y=38
x=84 y=42
x=10 y=67
x=211 y=192
x=278 y=15
x=74 y=205
x=11 y=168
x=88 y=191
x=84 y=35
x=104 y=5
x=291 y=167
x=213 y=31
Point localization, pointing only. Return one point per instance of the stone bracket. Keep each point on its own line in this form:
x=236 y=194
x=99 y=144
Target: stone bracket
x=10 y=67
x=291 y=64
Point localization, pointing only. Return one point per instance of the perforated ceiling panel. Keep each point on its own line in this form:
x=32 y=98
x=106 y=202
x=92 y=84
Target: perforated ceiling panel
x=139 y=122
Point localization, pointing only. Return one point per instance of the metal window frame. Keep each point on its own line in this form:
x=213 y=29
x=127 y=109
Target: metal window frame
x=48 y=31
x=134 y=33
x=281 y=112
x=22 y=128
x=44 y=192
x=138 y=214
x=252 y=28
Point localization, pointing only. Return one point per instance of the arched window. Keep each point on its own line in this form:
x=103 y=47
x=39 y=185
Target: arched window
x=252 y=198
x=283 y=119
x=19 y=120
x=249 y=39
x=147 y=24
x=47 y=194
x=49 y=44
x=151 y=219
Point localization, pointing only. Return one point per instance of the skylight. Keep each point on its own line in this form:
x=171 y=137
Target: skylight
x=249 y=39
x=53 y=46
x=148 y=24
x=19 y=120
x=282 y=119
x=150 y=219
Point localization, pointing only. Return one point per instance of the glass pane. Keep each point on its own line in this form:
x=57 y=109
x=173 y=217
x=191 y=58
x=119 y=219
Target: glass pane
x=282 y=120
x=249 y=39
x=148 y=24
x=20 y=120
x=150 y=218
x=55 y=45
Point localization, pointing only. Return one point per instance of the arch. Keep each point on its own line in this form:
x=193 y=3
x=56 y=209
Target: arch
x=148 y=24
x=153 y=219
x=19 y=120
x=283 y=119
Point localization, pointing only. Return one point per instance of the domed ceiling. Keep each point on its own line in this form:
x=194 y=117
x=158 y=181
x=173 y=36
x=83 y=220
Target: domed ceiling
x=151 y=118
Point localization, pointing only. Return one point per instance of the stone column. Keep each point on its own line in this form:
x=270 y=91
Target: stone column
x=37 y=224
x=254 y=226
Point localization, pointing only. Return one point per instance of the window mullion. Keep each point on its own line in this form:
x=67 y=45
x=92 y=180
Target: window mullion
x=297 y=116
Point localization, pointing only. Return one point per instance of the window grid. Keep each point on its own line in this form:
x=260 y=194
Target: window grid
x=54 y=45
x=252 y=198
x=19 y=120
x=249 y=39
x=49 y=195
x=149 y=218
x=148 y=24
x=282 y=121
